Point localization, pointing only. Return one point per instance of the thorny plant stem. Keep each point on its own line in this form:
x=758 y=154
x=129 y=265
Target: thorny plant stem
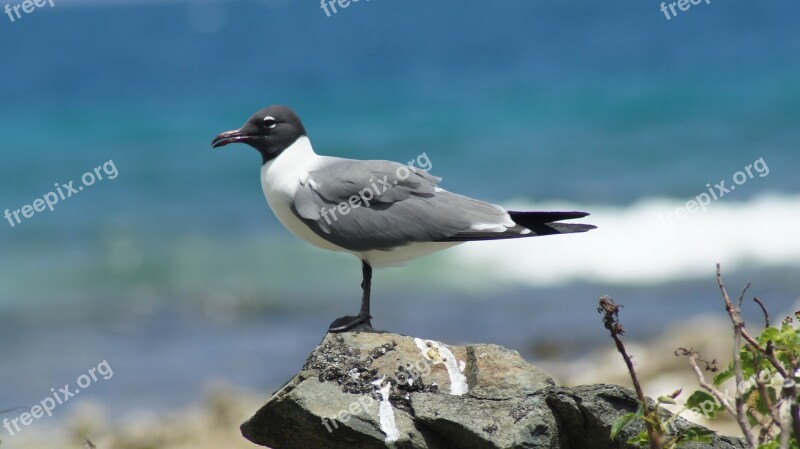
x=738 y=333
x=610 y=319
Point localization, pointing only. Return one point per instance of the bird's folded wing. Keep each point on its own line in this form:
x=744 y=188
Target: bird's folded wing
x=369 y=205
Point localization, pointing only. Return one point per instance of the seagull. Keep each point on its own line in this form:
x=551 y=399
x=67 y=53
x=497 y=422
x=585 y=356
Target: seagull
x=385 y=213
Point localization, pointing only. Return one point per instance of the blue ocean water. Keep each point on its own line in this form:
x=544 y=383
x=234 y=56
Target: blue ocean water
x=177 y=273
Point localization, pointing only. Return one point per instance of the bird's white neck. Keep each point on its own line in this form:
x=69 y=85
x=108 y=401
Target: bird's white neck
x=290 y=167
x=298 y=156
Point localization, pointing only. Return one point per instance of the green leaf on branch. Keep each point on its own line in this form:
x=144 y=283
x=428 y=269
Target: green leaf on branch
x=706 y=403
x=621 y=422
x=768 y=334
x=724 y=375
x=697 y=434
x=640 y=440
x=666 y=400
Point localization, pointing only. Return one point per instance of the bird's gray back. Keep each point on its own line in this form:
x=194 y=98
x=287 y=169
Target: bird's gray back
x=407 y=206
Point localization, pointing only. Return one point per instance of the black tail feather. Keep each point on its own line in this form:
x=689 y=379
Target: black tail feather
x=521 y=218
x=540 y=223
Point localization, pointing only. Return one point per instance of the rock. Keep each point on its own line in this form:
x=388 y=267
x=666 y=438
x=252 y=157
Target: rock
x=379 y=390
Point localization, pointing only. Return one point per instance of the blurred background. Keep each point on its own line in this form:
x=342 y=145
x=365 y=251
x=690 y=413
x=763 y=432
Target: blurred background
x=178 y=275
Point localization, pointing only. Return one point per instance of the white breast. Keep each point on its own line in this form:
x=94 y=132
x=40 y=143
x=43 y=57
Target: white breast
x=280 y=179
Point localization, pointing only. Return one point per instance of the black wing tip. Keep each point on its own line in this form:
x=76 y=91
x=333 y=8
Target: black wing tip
x=548 y=223
x=583 y=227
x=578 y=214
x=550 y=216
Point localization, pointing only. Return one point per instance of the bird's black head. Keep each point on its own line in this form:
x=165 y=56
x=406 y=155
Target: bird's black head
x=270 y=131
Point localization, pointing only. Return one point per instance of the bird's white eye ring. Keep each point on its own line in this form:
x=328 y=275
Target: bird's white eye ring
x=270 y=122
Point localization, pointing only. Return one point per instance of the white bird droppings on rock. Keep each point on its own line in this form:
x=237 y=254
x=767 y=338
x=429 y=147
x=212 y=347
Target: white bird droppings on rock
x=386 y=413
x=439 y=353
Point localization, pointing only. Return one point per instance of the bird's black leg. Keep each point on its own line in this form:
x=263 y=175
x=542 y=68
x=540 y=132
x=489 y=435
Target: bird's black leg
x=366 y=286
x=364 y=318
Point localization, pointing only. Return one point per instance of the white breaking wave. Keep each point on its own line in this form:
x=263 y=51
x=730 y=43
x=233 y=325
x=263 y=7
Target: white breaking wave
x=635 y=245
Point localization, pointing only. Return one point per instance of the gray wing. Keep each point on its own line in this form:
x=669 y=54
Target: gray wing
x=379 y=205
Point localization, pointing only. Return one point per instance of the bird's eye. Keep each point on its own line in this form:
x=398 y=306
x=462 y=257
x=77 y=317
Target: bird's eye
x=270 y=122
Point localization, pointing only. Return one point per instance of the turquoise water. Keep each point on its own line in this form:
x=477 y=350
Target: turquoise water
x=604 y=107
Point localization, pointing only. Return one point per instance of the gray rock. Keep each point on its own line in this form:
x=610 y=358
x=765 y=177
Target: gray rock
x=379 y=390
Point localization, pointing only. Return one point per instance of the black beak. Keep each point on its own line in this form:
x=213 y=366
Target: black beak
x=235 y=136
